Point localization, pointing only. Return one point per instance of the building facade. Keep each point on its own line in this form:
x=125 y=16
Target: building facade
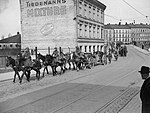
x=108 y=34
x=10 y=46
x=62 y=23
x=118 y=32
x=13 y=42
x=140 y=32
x=127 y=33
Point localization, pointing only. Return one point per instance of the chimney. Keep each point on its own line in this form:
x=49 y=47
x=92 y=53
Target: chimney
x=134 y=21
x=18 y=33
x=119 y=23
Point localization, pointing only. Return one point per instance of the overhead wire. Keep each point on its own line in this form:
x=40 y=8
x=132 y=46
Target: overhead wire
x=129 y=18
x=136 y=10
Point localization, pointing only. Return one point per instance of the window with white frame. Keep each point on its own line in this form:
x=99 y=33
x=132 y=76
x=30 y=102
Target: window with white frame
x=90 y=32
x=85 y=49
x=85 y=30
x=94 y=31
x=89 y=48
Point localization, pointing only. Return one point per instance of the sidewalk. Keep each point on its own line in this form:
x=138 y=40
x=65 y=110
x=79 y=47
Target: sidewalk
x=10 y=75
x=142 y=50
x=6 y=76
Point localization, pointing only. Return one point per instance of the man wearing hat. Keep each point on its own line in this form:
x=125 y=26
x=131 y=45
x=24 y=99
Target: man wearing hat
x=26 y=55
x=55 y=52
x=145 y=89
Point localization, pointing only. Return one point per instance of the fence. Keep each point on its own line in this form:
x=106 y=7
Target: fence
x=48 y=50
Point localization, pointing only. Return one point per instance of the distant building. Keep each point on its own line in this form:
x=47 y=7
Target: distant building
x=108 y=33
x=140 y=32
x=10 y=45
x=118 y=33
x=62 y=23
x=127 y=33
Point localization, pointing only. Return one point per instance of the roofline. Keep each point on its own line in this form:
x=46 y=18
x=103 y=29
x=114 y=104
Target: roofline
x=97 y=3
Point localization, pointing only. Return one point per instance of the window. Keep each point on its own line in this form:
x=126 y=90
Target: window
x=98 y=48
x=93 y=48
x=98 y=14
x=98 y=34
x=90 y=31
x=94 y=13
x=81 y=48
x=85 y=48
x=80 y=24
x=93 y=31
x=89 y=48
x=11 y=45
x=80 y=8
x=85 y=9
x=90 y=12
x=85 y=31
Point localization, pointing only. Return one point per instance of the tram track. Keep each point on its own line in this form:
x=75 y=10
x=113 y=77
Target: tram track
x=86 y=75
x=117 y=103
x=110 y=83
x=109 y=105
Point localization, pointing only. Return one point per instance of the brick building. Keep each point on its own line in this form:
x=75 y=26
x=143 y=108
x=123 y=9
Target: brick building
x=62 y=23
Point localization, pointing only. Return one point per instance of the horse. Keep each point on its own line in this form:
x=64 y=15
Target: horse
x=32 y=65
x=109 y=56
x=59 y=62
x=16 y=67
x=100 y=54
x=70 y=60
x=49 y=60
x=77 y=61
x=67 y=57
x=45 y=63
x=116 y=55
x=81 y=61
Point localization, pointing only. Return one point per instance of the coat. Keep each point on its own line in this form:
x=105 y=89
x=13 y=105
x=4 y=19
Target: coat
x=145 y=96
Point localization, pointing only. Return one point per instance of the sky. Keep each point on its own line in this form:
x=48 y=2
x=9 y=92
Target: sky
x=116 y=11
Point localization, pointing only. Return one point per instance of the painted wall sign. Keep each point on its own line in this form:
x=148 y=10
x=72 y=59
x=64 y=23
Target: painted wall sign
x=44 y=3
x=47 y=29
x=45 y=8
x=46 y=11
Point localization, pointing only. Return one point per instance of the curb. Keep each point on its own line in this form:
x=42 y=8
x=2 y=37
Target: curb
x=141 y=50
x=6 y=80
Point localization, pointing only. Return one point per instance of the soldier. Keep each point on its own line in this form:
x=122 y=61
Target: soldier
x=61 y=54
x=77 y=51
x=26 y=55
x=55 y=53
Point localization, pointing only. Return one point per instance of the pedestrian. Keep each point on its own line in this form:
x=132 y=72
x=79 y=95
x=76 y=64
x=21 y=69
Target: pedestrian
x=145 y=89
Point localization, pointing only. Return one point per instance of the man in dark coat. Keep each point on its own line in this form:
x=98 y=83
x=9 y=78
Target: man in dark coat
x=145 y=89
